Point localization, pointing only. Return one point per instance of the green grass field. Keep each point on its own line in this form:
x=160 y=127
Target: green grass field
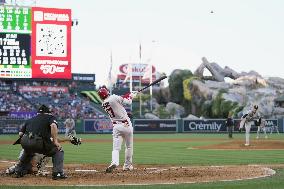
x=176 y=152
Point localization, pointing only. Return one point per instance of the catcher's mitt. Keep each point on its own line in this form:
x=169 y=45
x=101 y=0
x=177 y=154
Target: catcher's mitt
x=74 y=140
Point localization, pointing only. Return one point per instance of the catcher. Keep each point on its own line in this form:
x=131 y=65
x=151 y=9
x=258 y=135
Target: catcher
x=35 y=137
x=39 y=161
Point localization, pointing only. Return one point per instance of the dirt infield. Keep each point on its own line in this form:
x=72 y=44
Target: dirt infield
x=93 y=174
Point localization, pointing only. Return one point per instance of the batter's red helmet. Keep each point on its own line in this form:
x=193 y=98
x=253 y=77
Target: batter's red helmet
x=103 y=93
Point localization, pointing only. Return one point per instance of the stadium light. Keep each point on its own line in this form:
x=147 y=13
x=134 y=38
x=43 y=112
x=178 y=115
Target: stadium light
x=75 y=22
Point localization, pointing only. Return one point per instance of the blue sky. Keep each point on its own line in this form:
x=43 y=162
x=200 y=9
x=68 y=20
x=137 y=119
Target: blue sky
x=175 y=34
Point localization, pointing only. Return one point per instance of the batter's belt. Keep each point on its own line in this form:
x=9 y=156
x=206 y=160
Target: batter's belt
x=121 y=121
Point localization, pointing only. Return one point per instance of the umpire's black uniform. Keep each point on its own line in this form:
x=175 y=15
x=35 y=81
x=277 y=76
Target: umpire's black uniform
x=230 y=126
x=36 y=139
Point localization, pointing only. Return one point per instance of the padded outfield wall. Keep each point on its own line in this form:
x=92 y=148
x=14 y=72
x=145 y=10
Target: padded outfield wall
x=100 y=126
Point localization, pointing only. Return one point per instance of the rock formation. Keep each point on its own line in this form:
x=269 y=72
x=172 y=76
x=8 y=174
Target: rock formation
x=246 y=89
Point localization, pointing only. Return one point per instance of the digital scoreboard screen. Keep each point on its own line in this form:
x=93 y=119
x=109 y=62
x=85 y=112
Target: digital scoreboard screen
x=35 y=42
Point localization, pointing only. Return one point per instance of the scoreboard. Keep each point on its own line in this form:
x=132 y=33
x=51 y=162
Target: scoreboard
x=35 y=42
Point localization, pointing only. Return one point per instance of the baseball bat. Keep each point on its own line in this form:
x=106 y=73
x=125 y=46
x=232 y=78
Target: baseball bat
x=153 y=83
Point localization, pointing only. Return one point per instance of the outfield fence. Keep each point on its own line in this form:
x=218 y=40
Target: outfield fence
x=12 y=126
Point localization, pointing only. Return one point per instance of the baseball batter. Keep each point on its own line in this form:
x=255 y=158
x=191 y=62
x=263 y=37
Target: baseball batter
x=122 y=127
x=247 y=120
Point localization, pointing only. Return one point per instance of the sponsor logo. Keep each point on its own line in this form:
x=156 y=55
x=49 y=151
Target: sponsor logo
x=205 y=126
x=102 y=125
x=137 y=69
x=51 y=69
x=10 y=130
x=270 y=123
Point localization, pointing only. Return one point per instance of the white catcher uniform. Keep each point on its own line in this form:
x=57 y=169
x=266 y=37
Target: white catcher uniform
x=122 y=128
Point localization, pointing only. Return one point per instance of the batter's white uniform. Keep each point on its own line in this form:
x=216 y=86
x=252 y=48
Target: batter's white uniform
x=122 y=127
x=248 y=121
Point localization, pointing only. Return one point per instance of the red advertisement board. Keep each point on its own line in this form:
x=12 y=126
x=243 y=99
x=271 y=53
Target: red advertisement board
x=51 y=43
x=43 y=89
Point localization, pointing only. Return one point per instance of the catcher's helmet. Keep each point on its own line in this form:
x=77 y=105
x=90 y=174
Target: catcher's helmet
x=103 y=93
x=43 y=109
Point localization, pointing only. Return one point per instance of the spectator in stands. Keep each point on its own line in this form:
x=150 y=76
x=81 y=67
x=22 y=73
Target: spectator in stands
x=60 y=103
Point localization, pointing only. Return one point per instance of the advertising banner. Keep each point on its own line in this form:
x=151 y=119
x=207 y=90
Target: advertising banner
x=271 y=125
x=22 y=115
x=83 y=77
x=149 y=125
x=9 y=130
x=200 y=125
x=10 y=126
x=219 y=125
x=13 y=126
x=97 y=126
x=51 y=47
x=43 y=89
x=138 y=71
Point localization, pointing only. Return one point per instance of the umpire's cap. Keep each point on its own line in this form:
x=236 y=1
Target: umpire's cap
x=43 y=109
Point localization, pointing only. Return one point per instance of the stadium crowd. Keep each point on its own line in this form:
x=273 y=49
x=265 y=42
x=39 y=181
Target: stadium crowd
x=62 y=103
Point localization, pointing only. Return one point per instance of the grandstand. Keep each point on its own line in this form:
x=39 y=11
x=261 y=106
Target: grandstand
x=62 y=97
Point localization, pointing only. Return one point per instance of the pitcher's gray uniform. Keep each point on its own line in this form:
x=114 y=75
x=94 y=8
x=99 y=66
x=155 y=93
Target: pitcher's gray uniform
x=248 y=119
x=122 y=127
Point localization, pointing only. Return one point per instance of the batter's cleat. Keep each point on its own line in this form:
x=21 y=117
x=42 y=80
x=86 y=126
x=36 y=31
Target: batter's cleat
x=127 y=168
x=10 y=170
x=111 y=168
x=257 y=137
x=246 y=144
x=58 y=175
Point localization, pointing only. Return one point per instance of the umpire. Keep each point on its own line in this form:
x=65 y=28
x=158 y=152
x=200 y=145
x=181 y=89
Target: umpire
x=39 y=135
x=230 y=125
